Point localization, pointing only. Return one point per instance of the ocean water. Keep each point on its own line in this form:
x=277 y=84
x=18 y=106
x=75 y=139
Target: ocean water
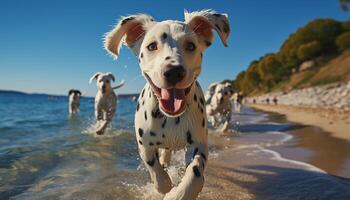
x=47 y=154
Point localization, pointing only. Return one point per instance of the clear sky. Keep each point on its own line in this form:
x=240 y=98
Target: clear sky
x=53 y=46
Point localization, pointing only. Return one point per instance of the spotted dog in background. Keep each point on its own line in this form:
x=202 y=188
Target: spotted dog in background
x=170 y=113
x=105 y=100
x=220 y=106
x=74 y=101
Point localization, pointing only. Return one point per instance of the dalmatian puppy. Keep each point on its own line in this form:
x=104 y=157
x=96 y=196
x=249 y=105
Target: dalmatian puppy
x=210 y=92
x=105 y=100
x=74 y=101
x=221 y=106
x=170 y=113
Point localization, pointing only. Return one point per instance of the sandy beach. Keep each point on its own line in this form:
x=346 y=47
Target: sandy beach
x=336 y=123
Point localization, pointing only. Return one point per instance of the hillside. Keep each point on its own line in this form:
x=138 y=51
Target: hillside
x=316 y=54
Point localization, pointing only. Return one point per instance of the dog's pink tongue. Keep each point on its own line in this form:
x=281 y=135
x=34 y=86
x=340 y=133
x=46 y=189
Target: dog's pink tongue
x=172 y=99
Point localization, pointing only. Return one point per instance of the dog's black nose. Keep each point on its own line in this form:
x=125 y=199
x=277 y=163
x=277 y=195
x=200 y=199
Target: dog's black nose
x=175 y=74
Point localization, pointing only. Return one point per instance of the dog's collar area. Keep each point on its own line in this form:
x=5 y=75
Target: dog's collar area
x=172 y=101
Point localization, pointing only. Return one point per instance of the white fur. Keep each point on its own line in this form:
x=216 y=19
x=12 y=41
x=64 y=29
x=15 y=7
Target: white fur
x=177 y=44
x=74 y=101
x=105 y=100
x=219 y=105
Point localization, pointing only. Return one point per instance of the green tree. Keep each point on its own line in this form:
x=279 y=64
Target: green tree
x=343 y=41
x=343 y=4
x=309 y=50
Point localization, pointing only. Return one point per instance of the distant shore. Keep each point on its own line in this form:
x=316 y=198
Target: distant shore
x=336 y=123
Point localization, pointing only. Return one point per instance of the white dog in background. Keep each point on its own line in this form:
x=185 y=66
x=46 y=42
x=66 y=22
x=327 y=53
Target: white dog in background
x=105 y=100
x=170 y=113
x=219 y=107
x=74 y=101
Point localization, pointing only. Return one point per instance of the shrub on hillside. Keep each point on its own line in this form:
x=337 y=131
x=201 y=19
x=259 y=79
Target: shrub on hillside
x=309 y=50
x=343 y=41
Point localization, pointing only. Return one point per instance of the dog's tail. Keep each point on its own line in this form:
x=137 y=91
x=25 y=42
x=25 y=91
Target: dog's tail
x=121 y=84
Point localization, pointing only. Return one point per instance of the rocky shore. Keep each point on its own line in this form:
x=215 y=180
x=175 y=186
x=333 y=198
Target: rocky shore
x=331 y=97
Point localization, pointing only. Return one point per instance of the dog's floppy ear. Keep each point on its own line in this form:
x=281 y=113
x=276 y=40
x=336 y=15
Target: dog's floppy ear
x=202 y=23
x=129 y=31
x=111 y=76
x=212 y=87
x=78 y=91
x=70 y=92
x=94 y=77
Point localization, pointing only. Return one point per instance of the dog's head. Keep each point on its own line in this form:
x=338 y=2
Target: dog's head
x=169 y=52
x=103 y=81
x=74 y=94
x=223 y=93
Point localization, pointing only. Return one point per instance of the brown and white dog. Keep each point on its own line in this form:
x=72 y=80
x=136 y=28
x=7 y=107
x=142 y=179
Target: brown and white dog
x=170 y=112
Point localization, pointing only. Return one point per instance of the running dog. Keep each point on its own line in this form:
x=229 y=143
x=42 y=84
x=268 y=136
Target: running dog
x=170 y=113
x=105 y=100
x=220 y=106
x=74 y=101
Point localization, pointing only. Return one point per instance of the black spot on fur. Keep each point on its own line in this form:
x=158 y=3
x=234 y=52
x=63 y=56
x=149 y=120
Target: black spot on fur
x=149 y=94
x=139 y=60
x=145 y=115
x=195 y=97
x=158 y=143
x=201 y=55
x=164 y=122
x=196 y=171
x=195 y=152
x=177 y=120
x=218 y=27
x=140 y=142
x=202 y=101
x=140 y=132
x=202 y=110
x=152 y=133
x=151 y=162
x=226 y=27
x=207 y=43
x=163 y=136
x=151 y=144
x=217 y=15
x=143 y=102
x=157 y=155
x=141 y=55
x=156 y=113
x=137 y=106
x=164 y=36
x=204 y=157
x=189 y=137
x=127 y=19
x=203 y=122
x=143 y=92
x=167 y=58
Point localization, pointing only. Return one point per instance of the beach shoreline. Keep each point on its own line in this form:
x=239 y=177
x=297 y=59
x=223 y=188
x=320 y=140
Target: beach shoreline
x=336 y=123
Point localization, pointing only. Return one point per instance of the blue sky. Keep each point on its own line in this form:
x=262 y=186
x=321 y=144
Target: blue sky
x=53 y=46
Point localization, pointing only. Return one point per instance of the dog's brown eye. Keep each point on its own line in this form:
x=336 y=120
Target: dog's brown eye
x=107 y=81
x=190 y=46
x=152 y=46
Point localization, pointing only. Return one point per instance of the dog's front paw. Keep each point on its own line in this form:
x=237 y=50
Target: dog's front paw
x=100 y=131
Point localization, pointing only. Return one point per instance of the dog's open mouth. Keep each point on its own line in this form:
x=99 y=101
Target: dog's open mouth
x=173 y=100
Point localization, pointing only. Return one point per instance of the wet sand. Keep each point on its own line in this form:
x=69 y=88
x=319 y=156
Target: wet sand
x=336 y=123
x=311 y=165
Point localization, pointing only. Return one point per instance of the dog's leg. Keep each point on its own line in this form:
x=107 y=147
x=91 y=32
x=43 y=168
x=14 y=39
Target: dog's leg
x=193 y=180
x=164 y=157
x=160 y=178
x=227 y=125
